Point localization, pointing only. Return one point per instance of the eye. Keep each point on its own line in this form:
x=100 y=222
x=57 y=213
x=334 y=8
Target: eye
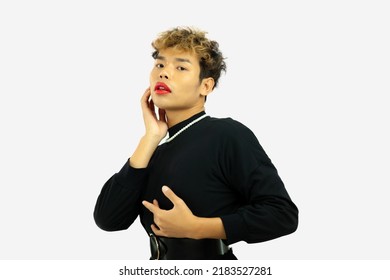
x=180 y=68
x=159 y=65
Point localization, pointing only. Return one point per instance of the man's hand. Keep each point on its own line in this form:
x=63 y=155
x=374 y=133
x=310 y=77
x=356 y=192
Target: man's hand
x=155 y=131
x=178 y=222
x=154 y=127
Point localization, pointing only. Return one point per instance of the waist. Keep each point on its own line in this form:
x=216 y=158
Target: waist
x=164 y=248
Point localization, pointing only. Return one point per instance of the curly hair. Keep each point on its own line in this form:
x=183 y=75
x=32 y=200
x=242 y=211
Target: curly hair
x=193 y=40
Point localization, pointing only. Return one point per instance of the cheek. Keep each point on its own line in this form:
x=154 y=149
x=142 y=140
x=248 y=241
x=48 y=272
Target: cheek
x=152 y=76
x=190 y=89
x=191 y=82
x=152 y=73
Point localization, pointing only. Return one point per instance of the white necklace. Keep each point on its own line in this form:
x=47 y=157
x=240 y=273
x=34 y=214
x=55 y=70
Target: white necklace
x=184 y=128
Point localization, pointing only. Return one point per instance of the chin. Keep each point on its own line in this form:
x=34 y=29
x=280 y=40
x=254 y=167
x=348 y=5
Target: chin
x=159 y=103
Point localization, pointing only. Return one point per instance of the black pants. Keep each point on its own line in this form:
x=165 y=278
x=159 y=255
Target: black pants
x=228 y=256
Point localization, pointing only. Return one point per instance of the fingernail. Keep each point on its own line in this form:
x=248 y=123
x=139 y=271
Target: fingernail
x=165 y=188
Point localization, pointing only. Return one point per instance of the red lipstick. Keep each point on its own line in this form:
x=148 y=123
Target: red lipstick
x=161 y=88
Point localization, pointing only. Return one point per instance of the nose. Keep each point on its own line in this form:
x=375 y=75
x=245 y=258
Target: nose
x=163 y=76
x=164 y=73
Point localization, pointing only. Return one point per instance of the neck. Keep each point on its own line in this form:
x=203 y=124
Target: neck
x=174 y=117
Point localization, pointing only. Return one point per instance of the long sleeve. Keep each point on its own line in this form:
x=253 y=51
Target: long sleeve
x=118 y=204
x=267 y=211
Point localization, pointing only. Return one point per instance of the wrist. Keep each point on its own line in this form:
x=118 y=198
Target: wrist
x=197 y=230
x=208 y=228
x=143 y=152
x=151 y=139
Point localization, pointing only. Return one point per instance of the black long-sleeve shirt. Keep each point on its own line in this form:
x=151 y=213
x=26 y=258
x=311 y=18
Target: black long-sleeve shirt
x=218 y=167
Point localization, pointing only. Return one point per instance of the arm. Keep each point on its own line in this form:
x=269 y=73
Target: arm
x=268 y=211
x=119 y=201
x=155 y=131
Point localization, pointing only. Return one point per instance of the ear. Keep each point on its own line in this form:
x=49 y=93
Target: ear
x=207 y=86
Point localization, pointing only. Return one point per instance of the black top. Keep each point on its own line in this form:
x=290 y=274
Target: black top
x=219 y=169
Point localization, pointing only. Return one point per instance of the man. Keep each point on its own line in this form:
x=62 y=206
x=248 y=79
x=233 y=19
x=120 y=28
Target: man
x=210 y=184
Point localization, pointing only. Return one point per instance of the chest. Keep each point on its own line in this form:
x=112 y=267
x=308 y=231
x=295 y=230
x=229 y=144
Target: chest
x=193 y=171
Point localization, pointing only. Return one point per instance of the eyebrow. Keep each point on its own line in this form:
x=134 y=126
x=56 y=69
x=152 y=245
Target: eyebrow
x=179 y=59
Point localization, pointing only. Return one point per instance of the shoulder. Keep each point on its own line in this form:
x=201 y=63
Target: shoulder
x=237 y=140
x=230 y=127
x=228 y=130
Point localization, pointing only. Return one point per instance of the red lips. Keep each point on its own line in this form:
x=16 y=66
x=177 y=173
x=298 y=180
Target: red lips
x=161 y=88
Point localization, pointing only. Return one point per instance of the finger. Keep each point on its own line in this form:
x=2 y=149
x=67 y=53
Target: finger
x=156 y=230
x=155 y=202
x=145 y=96
x=151 y=207
x=161 y=113
x=145 y=99
x=171 y=195
x=151 y=107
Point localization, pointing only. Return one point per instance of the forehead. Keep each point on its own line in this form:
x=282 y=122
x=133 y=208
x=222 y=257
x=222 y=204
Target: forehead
x=177 y=54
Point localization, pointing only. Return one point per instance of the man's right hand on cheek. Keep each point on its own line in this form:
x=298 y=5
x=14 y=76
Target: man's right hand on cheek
x=155 y=127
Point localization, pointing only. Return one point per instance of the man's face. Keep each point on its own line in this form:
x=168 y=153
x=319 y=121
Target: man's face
x=174 y=81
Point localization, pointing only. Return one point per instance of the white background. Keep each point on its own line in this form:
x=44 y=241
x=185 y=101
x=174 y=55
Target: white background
x=309 y=78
